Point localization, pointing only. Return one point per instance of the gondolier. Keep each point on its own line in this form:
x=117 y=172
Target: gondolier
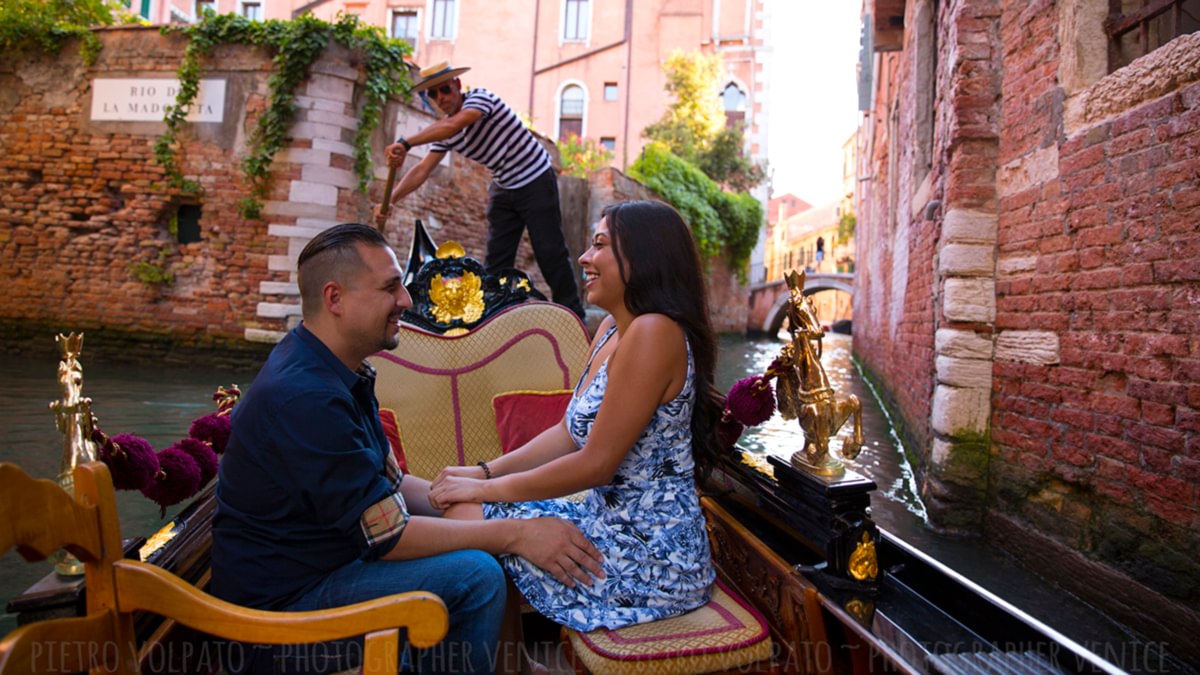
x=524 y=189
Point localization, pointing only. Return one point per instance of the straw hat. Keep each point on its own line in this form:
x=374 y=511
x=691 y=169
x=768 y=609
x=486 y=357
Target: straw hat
x=437 y=74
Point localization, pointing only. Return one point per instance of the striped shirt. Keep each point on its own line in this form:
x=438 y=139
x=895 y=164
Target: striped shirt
x=498 y=141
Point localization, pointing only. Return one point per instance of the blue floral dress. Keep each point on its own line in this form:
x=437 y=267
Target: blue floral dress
x=646 y=522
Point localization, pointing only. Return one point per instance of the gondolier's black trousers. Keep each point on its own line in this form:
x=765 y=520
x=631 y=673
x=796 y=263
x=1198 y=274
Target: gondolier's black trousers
x=534 y=206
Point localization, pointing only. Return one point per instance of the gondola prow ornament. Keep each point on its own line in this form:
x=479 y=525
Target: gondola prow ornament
x=804 y=393
x=73 y=415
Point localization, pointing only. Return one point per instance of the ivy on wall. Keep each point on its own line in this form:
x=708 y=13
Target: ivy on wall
x=297 y=44
x=721 y=221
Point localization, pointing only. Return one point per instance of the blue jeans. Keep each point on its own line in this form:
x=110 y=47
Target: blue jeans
x=471 y=583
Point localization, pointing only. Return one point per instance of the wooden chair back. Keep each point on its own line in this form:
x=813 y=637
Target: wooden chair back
x=37 y=517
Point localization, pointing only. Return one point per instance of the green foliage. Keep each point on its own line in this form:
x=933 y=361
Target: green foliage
x=693 y=127
x=695 y=117
x=47 y=24
x=721 y=221
x=297 y=44
x=153 y=273
x=725 y=161
x=581 y=156
x=846 y=225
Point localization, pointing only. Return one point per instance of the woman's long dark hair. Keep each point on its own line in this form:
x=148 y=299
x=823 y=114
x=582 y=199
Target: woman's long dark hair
x=657 y=258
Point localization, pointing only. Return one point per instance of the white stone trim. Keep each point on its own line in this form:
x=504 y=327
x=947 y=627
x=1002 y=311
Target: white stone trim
x=962 y=344
x=959 y=411
x=958 y=372
x=1028 y=346
x=968 y=299
x=967 y=260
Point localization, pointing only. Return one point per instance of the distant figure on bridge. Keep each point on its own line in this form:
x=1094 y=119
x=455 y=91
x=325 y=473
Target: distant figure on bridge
x=524 y=189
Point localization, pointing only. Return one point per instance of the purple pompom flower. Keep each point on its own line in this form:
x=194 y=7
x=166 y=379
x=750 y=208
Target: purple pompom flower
x=751 y=400
x=213 y=429
x=131 y=460
x=177 y=479
x=205 y=458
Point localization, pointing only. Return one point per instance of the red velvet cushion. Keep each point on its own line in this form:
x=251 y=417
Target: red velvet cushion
x=522 y=415
x=391 y=429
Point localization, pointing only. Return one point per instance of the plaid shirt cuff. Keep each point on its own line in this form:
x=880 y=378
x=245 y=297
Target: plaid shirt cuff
x=384 y=520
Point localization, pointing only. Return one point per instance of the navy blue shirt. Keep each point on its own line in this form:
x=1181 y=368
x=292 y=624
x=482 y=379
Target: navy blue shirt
x=308 y=483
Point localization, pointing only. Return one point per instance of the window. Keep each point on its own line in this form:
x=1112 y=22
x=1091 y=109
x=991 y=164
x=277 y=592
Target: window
x=734 y=101
x=570 y=112
x=610 y=91
x=187 y=223
x=575 y=20
x=1137 y=27
x=406 y=26
x=203 y=6
x=252 y=10
x=609 y=143
x=441 y=24
x=139 y=7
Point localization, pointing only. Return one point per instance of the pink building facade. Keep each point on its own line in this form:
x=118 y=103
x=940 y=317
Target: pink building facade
x=589 y=67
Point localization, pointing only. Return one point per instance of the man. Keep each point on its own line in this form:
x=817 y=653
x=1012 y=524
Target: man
x=524 y=189
x=312 y=510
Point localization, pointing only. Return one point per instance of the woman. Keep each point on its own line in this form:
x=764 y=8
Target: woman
x=641 y=417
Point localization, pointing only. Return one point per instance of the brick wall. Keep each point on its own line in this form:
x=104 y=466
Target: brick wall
x=1038 y=290
x=1096 y=441
x=85 y=200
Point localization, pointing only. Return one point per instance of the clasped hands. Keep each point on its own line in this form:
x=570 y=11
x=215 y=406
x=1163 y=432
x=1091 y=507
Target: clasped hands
x=457 y=484
x=553 y=544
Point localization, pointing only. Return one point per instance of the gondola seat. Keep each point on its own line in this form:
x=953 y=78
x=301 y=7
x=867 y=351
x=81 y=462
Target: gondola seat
x=725 y=635
x=445 y=391
x=38 y=517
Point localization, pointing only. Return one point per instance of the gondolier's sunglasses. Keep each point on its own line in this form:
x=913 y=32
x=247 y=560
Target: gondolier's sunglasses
x=440 y=91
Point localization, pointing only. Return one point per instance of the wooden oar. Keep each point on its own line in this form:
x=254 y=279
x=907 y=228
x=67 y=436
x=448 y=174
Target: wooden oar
x=387 y=195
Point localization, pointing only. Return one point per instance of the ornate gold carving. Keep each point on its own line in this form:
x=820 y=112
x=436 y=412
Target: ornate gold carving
x=860 y=609
x=863 y=564
x=456 y=297
x=804 y=392
x=450 y=249
x=73 y=415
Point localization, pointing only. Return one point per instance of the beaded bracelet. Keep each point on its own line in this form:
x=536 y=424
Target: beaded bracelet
x=487 y=473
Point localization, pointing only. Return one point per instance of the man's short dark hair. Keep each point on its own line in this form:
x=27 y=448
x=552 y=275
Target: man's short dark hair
x=332 y=256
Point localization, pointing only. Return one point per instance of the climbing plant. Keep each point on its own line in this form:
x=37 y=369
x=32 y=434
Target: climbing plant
x=297 y=44
x=721 y=221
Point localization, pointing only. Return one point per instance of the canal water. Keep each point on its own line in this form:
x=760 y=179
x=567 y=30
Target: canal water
x=159 y=403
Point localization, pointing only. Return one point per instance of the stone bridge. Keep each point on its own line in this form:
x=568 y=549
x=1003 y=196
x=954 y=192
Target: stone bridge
x=768 y=301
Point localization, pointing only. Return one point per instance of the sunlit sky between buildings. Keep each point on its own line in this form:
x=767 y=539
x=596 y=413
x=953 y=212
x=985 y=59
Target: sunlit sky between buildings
x=813 y=95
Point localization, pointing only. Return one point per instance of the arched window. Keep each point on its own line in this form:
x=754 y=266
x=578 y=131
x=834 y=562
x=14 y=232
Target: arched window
x=734 y=101
x=570 y=112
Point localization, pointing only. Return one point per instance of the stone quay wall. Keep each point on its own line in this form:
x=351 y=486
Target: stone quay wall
x=1028 y=293
x=89 y=228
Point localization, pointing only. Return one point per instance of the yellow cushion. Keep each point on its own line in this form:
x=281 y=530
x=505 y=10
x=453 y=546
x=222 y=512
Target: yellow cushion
x=724 y=634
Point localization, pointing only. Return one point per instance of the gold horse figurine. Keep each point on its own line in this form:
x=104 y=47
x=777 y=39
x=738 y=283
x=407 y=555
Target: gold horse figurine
x=804 y=392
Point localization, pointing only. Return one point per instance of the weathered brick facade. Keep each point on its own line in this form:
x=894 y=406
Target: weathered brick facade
x=85 y=200
x=1028 y=296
